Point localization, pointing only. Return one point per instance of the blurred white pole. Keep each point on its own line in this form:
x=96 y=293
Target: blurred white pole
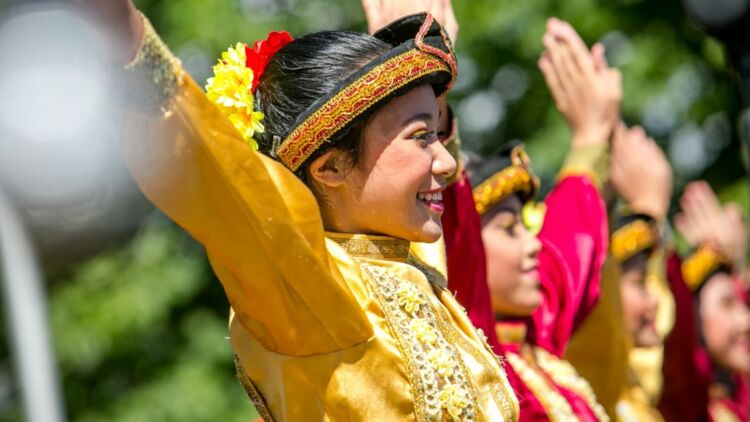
x=25 y=306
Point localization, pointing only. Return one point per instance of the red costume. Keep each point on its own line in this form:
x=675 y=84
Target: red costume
x=689 y=372
x=574 y=239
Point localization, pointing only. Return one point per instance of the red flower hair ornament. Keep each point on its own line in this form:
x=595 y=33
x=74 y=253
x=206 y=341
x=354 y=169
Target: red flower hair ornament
x=257 y=58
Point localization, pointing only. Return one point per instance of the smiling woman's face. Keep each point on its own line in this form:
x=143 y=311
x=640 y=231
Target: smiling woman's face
x=395 y=188
x=725 y=323
x=511 y=260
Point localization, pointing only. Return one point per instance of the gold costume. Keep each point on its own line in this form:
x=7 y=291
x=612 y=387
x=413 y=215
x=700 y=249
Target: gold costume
x=627 y=380
x=325 y=326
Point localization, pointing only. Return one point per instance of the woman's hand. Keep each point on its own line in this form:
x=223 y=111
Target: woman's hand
x=119 y=21
x=704 y=220
x=380 y=13
x=640 y=172
x=585 y=89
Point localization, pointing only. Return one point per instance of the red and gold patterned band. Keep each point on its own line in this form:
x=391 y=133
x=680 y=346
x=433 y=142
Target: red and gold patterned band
x=633 y=238
x=374 y=85
x=355 y=99
x=701 y=264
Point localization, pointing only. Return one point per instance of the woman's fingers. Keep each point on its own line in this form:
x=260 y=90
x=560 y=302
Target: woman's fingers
x=553 y=82
x=561 y=63
x=599 y=58
x=580 y=55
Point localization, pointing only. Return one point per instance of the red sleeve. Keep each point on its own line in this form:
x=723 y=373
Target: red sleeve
x=687 y=367
x=575 y=238
x=467 y=267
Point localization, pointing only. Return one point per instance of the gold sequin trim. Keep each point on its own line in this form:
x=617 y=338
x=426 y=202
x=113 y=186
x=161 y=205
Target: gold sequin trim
x=565 y=375
x=154 y=74
x=516 y=178
x=631 y=239
x=439 y=382
x=502 y=393
x=372 y=247
x=510 y=333
x=252 y=391
x=554 y=403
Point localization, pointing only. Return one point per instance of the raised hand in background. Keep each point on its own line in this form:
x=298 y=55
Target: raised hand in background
x=640 y=172
x=704 y=220
x=585 y=89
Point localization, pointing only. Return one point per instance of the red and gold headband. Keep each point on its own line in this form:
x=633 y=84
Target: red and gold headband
x=422 y=53
x=410 y=61
x=514 y=179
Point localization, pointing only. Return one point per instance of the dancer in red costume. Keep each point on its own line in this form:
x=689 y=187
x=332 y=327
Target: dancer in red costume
x=540 y=287
x=707 y=356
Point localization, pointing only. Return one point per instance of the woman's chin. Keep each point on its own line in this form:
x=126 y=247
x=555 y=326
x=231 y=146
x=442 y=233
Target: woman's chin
x=649 y=338
x=518 y=309
x=430 y=232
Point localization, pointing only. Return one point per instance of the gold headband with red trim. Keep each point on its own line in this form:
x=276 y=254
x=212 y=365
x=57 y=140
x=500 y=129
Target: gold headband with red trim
x=372 y=85
x=354 y=100
x=422 y=53
x=701 y=265
x=635 y=237
x=516 y=178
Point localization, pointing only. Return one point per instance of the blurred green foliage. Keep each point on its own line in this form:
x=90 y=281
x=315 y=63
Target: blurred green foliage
x=140 y=330
x=141 y=335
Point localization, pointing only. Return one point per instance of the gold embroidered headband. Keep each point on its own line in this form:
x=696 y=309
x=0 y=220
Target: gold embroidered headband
x=422 y=53
x=516 y=178
x=348 y=104
x=701 y=265
x=633 y=238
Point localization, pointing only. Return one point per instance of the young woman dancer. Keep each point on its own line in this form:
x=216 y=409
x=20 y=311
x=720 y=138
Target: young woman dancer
x=642 y=178
x=707 y=356
x=306 y=170
x=540 y=287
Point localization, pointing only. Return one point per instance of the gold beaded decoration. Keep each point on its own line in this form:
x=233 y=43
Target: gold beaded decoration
x=631 y=239
x=516 y=178
x=700 y=265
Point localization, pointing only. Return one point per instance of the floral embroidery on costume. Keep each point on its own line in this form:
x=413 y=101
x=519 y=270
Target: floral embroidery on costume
x=439 y=380
x=556 y=406
x=565 y=375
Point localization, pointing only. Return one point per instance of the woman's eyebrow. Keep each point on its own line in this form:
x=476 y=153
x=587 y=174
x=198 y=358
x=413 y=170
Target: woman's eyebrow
x=425 y=117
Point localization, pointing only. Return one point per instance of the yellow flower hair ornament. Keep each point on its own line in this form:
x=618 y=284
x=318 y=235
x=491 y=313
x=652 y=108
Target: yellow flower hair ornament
x=236 y=76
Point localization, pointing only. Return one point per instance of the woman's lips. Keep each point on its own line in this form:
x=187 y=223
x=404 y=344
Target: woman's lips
x=433 y=200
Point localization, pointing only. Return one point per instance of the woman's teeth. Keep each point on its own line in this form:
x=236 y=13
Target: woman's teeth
x=429 y=197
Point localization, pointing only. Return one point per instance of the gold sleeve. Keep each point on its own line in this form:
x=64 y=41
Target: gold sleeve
x=599 y=348
x=260 y=225
x=591 y=161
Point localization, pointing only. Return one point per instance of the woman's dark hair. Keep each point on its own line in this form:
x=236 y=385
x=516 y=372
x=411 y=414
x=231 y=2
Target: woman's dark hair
x=306 y=70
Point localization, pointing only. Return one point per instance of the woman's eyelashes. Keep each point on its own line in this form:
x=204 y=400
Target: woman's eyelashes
x=508 y=223
x=425 y=136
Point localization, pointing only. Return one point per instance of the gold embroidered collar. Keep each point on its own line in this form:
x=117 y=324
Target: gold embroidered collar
x=372 y=247
x=510 y=332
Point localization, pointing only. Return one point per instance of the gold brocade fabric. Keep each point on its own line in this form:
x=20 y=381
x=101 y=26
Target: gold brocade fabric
x=325 y=326
x=598 y=349
x=635 y=405
x=543 y=373
x=626 y=380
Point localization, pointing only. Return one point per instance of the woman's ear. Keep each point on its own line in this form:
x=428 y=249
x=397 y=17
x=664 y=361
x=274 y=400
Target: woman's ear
x=329 y=170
